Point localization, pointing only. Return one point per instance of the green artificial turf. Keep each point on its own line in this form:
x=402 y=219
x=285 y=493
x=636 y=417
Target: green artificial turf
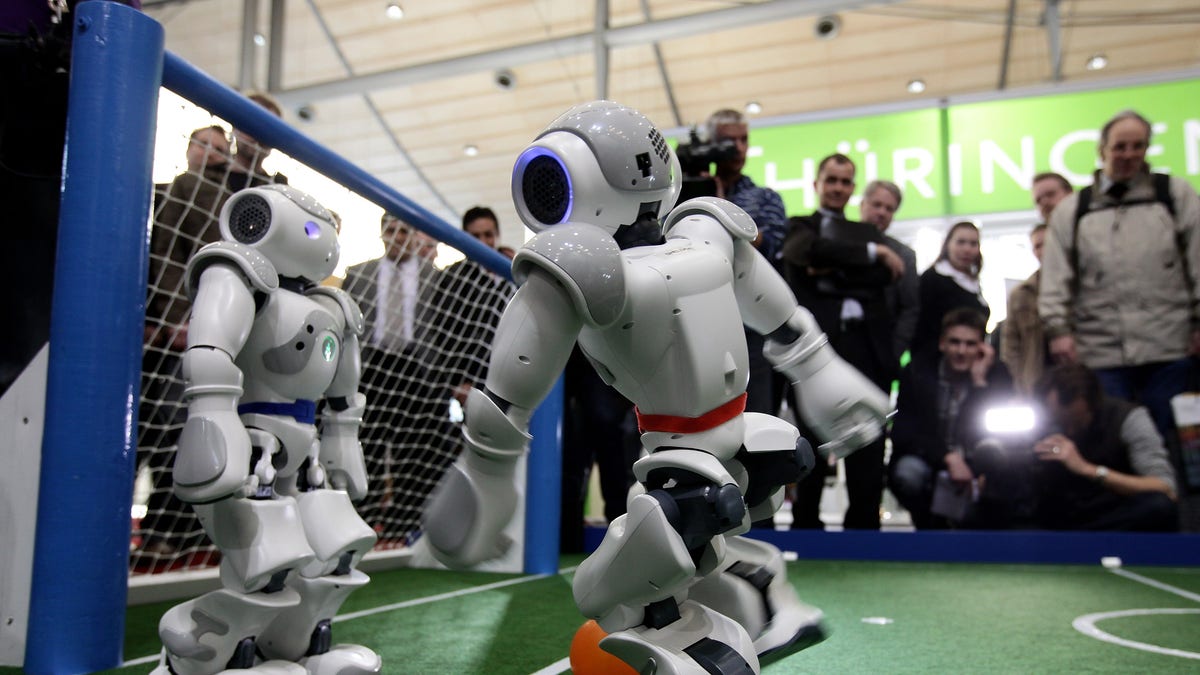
x=944 y=617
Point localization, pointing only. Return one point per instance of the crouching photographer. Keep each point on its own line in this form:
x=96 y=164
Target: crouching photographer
x=1108 y=468
x=939 y=470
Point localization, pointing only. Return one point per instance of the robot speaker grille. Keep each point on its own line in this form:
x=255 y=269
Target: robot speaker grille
x=660 y=145
x=249 y=219
x=545 y=188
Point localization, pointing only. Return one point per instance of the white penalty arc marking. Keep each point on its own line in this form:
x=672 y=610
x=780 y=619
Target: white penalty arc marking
x=407 y=603
x=1087 y=625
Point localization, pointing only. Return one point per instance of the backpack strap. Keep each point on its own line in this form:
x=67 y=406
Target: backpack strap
x=1162 y=194
x=1081 y=208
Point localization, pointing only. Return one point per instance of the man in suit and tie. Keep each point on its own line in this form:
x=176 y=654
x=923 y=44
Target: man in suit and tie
x=839 y=269
x=389 y=290
x=880 y=202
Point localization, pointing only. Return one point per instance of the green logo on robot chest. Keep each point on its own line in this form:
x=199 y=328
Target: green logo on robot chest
x=328 y=347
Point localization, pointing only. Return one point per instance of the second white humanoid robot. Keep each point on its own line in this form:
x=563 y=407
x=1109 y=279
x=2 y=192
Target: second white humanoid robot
x=656 y=299
x=265 y=342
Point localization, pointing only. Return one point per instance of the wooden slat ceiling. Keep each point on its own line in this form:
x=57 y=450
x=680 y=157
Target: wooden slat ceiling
x=955 y=47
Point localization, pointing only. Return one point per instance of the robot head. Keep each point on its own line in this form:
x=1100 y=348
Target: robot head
x=599 y=163
x=287 y=226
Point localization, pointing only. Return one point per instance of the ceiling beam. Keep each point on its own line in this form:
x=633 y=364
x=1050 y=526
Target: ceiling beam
x=1054 y=37
x=248 y=61
x=1006 y=51
x=668 y=88
x=645 y=33
x=600 y=49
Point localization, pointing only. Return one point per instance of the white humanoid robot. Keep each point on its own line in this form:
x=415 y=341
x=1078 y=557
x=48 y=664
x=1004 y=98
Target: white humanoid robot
x=661 y=321
x=265 y=342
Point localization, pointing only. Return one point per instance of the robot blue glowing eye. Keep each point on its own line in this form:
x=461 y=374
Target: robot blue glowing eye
x=312 y=230
x=545 y=185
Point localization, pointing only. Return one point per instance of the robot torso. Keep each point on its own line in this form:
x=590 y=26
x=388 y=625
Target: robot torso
x=293 y=349
x=679 y=347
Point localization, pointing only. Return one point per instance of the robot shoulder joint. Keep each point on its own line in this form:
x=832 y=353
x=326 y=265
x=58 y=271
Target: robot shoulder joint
x=354 y=315
x=260 y=274
x=588 y=264
x=729 y=215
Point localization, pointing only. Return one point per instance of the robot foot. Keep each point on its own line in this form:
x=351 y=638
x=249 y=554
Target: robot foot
x=785 y=638
x=269 y=668
x=699 y=641
x=343 y=660
x=265 y=668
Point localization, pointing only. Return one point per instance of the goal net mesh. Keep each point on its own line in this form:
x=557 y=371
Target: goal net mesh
x=430 y=319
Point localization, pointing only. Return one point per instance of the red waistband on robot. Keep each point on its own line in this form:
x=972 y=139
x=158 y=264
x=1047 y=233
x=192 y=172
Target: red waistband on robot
x=691 y=425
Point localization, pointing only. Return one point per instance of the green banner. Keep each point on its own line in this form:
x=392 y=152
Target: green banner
x=979 y=157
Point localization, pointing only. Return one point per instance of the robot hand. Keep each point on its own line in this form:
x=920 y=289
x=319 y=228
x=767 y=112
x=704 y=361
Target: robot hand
x=845 y=409
x=341 y=451
x=465 y=518
x=213 y=460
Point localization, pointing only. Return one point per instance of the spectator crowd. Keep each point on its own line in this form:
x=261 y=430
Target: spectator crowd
x=1094 y=347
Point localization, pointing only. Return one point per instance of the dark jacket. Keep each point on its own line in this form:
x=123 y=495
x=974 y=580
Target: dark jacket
x=916 y=427
x=825 y=268
x=940 y=294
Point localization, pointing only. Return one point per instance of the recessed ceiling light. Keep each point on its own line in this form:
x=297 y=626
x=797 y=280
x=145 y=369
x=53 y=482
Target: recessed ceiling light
x=916 y=86
x=1097 y=62
x=470 y=150
x=394 y=11
x=753 y=108
x=260 y=39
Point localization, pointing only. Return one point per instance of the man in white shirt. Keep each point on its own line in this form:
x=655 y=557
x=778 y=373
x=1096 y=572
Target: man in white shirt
x=388 y=290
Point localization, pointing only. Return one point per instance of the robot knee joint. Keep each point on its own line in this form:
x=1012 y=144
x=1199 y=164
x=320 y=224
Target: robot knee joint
x=770 y=470
x=700 y=512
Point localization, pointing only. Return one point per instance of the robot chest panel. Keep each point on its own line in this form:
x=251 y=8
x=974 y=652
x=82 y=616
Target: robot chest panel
x=293 y=348
x=680 y=336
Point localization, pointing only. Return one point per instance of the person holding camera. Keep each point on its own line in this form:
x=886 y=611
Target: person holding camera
x=939 y=422
x=729 y=138
x=1107 y=468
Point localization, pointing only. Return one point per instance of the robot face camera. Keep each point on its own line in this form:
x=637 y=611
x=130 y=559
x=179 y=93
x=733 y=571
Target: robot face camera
x=287 y=226
x=599 y=163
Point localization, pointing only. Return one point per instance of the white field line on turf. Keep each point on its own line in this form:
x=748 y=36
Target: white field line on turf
x=1156 y=584
x=407 y=603
x=1087 y=625
x=555 y=668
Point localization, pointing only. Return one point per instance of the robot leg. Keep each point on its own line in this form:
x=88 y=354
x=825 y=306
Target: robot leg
x=773 y=454
x=752 y=588
x=261 y=540
x=635 y=584
x=303 y=633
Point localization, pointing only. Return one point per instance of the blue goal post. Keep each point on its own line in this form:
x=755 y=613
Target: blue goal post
x=81 y=551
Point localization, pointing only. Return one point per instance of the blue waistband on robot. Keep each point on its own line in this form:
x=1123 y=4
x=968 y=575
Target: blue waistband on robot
x=302 y=410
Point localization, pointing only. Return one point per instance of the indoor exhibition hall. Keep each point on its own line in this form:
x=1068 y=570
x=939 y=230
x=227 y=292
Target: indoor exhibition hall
x=530 y=337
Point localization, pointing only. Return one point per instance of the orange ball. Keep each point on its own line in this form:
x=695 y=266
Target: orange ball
x=587 y=658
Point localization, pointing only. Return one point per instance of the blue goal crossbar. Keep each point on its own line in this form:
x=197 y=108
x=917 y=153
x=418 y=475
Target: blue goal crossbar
x=81 y=552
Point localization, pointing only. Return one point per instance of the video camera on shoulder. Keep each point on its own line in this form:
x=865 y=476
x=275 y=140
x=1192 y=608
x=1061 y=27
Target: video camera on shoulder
x=696 y=159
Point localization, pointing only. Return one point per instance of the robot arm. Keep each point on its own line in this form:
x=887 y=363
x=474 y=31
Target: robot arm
x=341 y=454
x=841 y=405
x=845 y=409
x=213 y=460
x=466 y=515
